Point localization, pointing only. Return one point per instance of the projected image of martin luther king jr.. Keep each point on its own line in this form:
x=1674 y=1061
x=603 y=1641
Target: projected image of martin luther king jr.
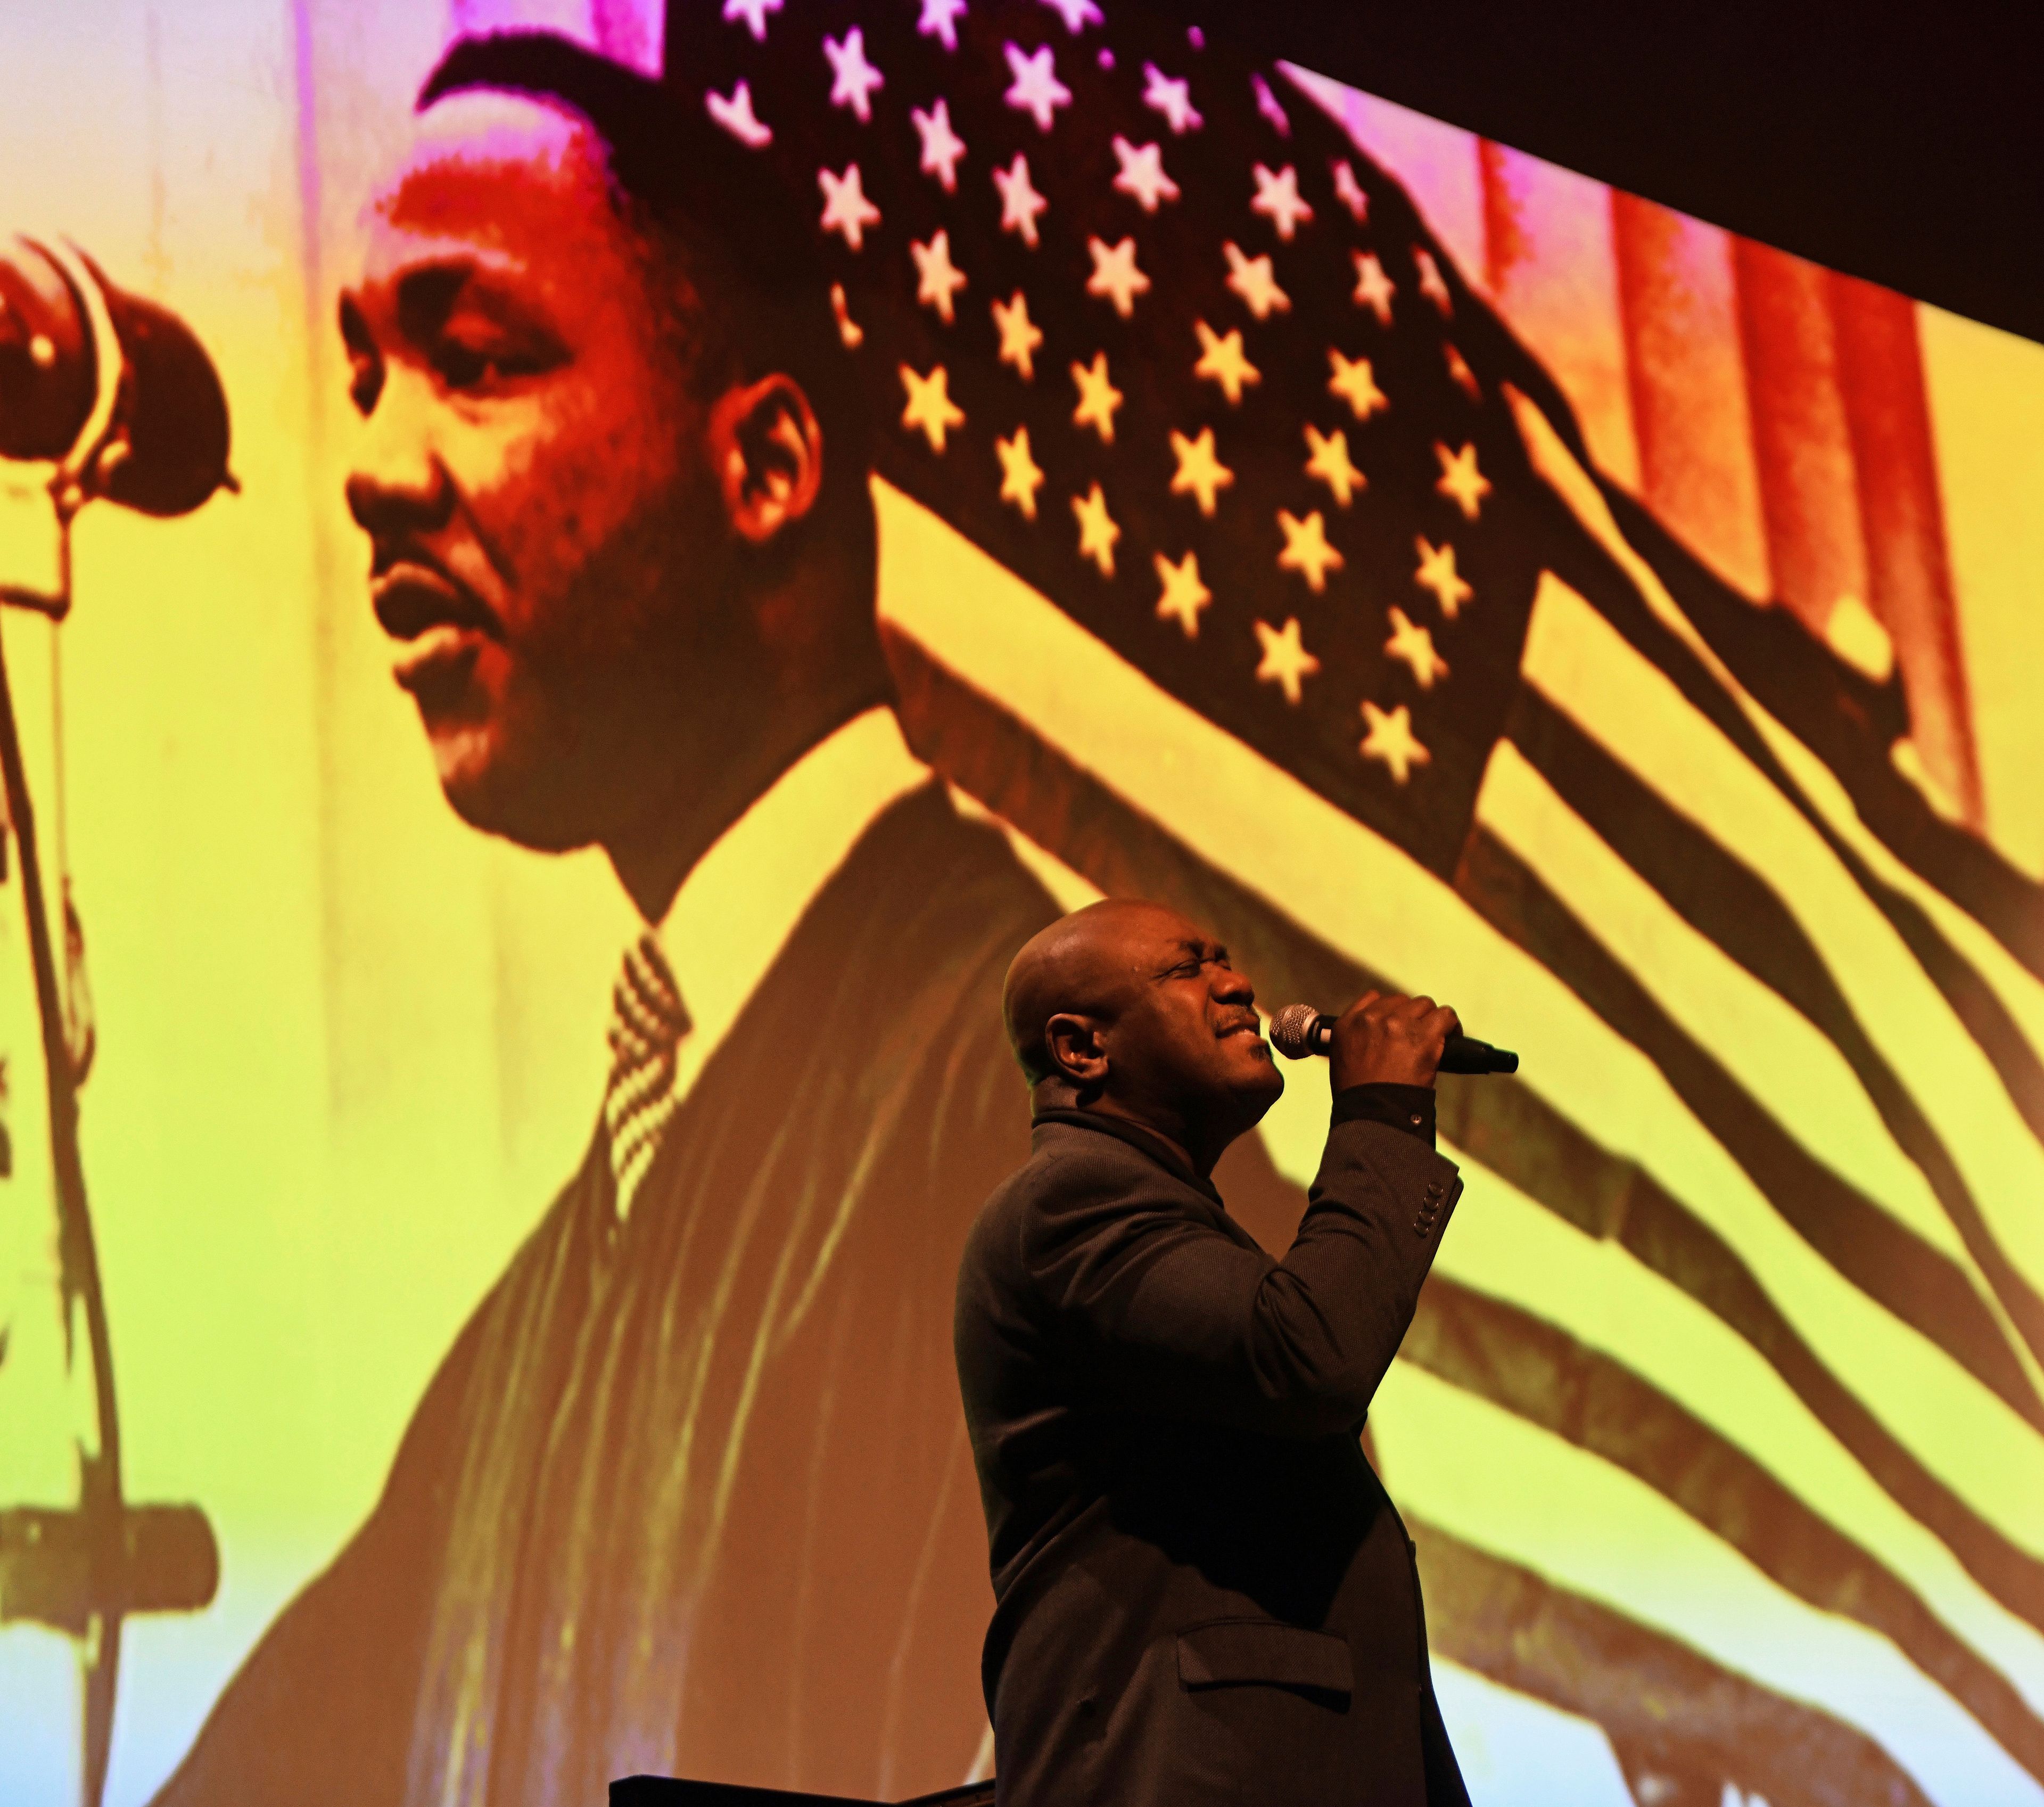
x=690 y=1492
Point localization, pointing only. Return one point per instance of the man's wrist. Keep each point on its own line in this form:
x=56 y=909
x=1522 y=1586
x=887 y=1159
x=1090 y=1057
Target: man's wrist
x=1409 y=1108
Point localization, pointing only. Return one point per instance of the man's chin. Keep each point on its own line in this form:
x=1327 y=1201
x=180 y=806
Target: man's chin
x=1257 y=1090
x=489 y=793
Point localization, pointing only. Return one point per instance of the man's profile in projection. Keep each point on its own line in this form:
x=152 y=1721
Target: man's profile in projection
x=690 y=1492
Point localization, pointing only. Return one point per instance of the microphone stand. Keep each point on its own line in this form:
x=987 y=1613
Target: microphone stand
x=100 y=1506
x=84 y=1569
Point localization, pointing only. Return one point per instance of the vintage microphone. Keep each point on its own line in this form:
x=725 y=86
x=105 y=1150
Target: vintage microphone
x=102 y=394
x=116 y=391
x=1298 y=1030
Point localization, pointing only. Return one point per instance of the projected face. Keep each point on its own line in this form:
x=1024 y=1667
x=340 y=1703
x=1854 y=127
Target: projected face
x=532 y=476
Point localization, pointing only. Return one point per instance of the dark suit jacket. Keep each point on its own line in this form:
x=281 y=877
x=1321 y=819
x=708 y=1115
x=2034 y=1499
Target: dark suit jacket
x=1205 y=1594
x=691 y=1494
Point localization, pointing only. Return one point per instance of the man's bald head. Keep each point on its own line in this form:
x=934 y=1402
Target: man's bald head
x=1127 y=1008
x=1083 y=962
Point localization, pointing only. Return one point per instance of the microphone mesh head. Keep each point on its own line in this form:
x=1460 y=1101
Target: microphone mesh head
x=1289 y=1029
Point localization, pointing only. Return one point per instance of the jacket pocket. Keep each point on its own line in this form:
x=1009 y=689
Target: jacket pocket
x=1234 y=1653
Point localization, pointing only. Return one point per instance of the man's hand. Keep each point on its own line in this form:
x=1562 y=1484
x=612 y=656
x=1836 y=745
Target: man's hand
x=1382 y=1039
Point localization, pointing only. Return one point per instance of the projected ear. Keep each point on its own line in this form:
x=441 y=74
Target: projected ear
x=767 y=449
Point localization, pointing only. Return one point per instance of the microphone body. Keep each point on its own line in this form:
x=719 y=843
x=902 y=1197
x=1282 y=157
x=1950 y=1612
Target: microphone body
x=116 y=389
x=1298 y=1030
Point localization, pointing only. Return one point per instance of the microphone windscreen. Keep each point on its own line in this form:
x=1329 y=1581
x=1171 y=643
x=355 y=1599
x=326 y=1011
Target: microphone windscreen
x=48 y=376
x=1291 y=1030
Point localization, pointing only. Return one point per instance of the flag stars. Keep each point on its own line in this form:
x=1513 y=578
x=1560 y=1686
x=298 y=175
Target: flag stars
x=1183 y=595
x=1373 y=290
x=1036 y=90
x=1354 y=382
x=1142 y=173
x=1077 y=14
x=1019 y=477
x=1349 y=192
x=1306 y=549
x=1098 y=399
x=1097 y=531
x=736 y=116
x=1271 y=106
x=1252 y=278
x=1330 y=463
x=845 y=209
x=1432 y=284
x=1437 y=573
x=1460 y=482
x=942 y=147
x=1411 y=642
x=1020 y=202
x=1200 y=474
x=1278 y=201
x=1286 y=661
x=938 y=280
x=1390 y=740
x=930 y=406
x=1020 y=335
x=1115 y=274
x=851 y=334
x=754 y=12
x=1221 y=361
x=1458 y=368
x=939 y=20
x=853 y=78
x=1173 y=97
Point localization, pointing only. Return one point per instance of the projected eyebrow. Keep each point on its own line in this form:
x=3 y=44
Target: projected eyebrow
x=428 y=292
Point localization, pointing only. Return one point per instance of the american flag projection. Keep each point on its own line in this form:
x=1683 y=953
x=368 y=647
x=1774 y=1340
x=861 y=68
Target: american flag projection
x=1431 y=568
x=1252 y=562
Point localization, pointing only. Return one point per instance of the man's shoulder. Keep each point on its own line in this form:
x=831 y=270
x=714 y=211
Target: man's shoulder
x=1074 y=1166
x=920 y=876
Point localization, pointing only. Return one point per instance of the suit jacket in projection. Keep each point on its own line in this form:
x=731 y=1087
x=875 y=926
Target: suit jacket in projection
x=692 y=1495
x=1206 y=1598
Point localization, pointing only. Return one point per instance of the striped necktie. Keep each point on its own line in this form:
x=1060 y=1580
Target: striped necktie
x=647 y=1021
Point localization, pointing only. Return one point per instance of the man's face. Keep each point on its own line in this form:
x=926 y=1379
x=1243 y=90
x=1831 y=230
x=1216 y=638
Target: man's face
x=530 y=474
x=1186 y=1030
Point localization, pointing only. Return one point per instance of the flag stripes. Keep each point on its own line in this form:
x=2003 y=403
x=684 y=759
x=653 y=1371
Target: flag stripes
x=1920 y=1285
x=1753 y=643
x=1343 y=883
x=1629 y=594
x=1580 y=661
x=1668 y=1709
x=1779 y=1084
x=1503 y=1484
x=1615 y=1306
x=1530 y=1316
x=1736 y=909
x=1016 y=773
x=1517 y=1134
x=1539 y=1373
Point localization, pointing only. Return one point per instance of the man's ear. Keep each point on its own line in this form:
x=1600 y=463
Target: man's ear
x=766 y=447
x=1076 y=1050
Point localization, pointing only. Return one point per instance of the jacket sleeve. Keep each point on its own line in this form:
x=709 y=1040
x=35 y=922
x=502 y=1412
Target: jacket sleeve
x=1161 y=1311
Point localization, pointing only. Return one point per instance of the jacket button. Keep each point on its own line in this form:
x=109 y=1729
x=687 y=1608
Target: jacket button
x=1433 y=1192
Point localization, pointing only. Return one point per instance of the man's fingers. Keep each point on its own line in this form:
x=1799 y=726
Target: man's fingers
x=1439 y=1023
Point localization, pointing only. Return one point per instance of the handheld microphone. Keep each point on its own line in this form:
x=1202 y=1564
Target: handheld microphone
x=1298 y=1030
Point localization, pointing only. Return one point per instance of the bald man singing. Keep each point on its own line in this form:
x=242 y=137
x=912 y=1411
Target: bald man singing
x=1203 y=1593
